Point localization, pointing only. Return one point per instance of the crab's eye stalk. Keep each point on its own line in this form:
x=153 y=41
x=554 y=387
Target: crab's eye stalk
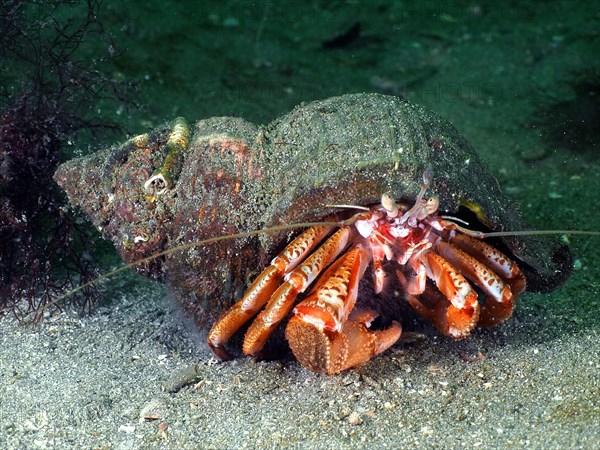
x=390 y=205
x=432 y=205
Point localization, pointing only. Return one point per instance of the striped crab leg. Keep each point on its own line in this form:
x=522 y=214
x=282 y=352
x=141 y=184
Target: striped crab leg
x=498 y=276
x=463 y=312
x=457 y=311
x=296 y=282
x=260 y=291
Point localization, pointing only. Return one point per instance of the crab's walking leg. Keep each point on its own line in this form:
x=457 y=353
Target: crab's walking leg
x=503 y=281
x=435 y=307
x=262 y=288
x=282 y=300
x=321 y=335
x=459 y=317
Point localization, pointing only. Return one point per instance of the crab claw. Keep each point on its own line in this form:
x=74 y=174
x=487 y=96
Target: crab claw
x=332 y=352
x=326 y=334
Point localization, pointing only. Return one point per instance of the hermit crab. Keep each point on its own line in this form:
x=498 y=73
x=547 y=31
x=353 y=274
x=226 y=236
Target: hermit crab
x=398 y=210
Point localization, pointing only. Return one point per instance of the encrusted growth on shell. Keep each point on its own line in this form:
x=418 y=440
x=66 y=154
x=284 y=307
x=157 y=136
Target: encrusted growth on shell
x=166 y=176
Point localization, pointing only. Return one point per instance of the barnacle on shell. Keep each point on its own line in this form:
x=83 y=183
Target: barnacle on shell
x=166 y=176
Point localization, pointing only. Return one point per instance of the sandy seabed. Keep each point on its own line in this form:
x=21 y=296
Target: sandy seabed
x=98 y=382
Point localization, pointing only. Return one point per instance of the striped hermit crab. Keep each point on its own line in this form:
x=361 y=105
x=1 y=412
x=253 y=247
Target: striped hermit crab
x=420 y=243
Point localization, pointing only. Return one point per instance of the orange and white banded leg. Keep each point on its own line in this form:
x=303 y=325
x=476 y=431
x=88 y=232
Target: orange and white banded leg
x=492 y=271
x=433 y=306
x=323 y=334
x=456 y=319
x=262 y=288
x=296 y=282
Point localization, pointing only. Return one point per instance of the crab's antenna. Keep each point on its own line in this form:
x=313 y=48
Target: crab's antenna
x=427 y=177
x=362 y=208
x=191 y=245
x=538 y=233
x=455 y=219
x=421 y=208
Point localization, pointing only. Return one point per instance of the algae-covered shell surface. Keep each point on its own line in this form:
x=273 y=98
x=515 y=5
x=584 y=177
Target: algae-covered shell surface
x=237 y=176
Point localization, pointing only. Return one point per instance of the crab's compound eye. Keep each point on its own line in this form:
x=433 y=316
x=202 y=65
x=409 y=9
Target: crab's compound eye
x=389 y=204
x=432 y=205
